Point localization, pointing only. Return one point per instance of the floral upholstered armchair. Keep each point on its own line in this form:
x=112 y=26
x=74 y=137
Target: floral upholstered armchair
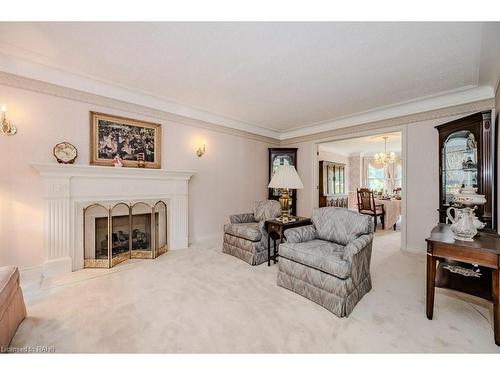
x=328 y=262
x=245 y=236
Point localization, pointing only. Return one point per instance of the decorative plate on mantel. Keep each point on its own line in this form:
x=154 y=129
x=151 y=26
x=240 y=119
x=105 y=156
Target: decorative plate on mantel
x=65 y=153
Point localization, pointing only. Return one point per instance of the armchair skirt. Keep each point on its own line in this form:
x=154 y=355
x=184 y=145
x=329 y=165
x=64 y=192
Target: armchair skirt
x=252 y=252
x=340 y=296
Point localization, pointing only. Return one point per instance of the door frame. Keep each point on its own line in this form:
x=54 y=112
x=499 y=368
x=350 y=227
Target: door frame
x=404 y=149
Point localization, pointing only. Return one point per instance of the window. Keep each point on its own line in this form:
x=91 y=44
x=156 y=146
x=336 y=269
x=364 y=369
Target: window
x=384 y=178
x=375 y=178
x=335 y=179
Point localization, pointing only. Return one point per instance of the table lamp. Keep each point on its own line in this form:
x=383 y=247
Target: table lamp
x=285 y=178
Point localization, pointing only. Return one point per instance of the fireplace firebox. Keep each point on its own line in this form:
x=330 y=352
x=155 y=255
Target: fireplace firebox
x=123 y=231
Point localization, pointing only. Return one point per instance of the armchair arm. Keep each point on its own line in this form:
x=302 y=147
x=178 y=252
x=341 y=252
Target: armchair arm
x=242 y=218
x=300 y=234
x=356 y=246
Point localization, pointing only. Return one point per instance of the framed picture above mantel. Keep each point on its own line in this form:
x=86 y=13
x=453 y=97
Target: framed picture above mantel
x=135 y=143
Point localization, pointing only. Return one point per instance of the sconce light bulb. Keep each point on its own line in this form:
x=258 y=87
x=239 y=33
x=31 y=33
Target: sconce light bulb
x=201 y=150
x=6 y=128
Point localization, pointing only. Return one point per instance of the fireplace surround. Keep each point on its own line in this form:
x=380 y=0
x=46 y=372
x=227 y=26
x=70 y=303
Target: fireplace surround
x=68 y=189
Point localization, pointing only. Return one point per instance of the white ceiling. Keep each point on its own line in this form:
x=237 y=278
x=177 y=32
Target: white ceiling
x=277 y=76
x=367 y=145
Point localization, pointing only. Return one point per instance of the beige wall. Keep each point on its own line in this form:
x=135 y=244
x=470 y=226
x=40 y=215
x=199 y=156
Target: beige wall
x=309 y=194
x=354 y=172
x=231 y=175
x=422 y=181
x=333 y=157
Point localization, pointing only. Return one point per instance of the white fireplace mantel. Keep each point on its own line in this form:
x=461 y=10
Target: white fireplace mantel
x=70 y=187
x=76 y=170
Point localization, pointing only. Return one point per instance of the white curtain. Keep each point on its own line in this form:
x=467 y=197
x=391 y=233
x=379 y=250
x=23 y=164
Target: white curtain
x=392 y=173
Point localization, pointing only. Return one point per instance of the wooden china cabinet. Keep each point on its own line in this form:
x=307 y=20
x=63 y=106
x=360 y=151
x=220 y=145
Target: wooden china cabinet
x=277 y=157
x=332 y=189
x=467 y=157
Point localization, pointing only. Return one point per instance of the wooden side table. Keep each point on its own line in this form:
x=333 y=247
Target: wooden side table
x=275 y=229
x=483 y=251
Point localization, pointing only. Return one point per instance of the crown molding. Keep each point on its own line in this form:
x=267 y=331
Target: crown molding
x=400 y=110
x=39 y=78
x=477 y=106
x=24 y=74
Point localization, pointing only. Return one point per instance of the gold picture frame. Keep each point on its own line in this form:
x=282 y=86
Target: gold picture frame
x=131 y=140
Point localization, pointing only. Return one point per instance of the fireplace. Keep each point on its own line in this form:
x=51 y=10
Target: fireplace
x=70 y=188
x=123 y=231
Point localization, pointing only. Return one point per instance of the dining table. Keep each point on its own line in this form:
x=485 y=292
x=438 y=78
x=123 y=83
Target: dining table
x=392 y=209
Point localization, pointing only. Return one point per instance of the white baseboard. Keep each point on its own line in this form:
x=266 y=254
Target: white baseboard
x=211 y=239
x=33 y=269
x=57 y=266
x=413 y=250
x=30 y=277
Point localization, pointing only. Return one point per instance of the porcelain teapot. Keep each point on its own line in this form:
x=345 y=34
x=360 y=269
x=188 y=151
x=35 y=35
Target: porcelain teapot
x=462 y=226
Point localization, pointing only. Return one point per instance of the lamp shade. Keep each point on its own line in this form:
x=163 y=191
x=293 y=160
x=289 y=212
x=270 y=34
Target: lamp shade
x=286 y=177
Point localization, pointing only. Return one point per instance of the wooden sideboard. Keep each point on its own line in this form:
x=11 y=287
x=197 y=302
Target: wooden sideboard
x=484 y=252
x=334 y=201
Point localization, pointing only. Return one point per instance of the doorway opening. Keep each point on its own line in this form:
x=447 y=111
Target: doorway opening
x=365 y=174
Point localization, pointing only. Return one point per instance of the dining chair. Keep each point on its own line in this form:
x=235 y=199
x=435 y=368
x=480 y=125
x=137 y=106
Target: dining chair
x=367 y=206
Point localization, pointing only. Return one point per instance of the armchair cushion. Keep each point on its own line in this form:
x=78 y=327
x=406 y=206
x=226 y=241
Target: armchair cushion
x=248 y=231
x=300 y=234
x=264 y=210
x=340 y=225
x=321 y=255
x=242 y=218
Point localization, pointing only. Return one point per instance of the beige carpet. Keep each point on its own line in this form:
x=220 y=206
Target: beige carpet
x=201 y=300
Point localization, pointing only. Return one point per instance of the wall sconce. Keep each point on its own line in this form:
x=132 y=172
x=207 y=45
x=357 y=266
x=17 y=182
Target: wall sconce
x=201 y=150
x=7 y=127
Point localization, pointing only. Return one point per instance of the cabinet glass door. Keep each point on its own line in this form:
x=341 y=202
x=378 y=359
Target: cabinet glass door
x=459 y=164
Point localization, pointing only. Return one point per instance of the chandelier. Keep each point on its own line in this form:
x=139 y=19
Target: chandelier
x=384 y=158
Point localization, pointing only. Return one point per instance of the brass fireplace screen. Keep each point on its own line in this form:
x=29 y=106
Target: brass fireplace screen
x=123 y=231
